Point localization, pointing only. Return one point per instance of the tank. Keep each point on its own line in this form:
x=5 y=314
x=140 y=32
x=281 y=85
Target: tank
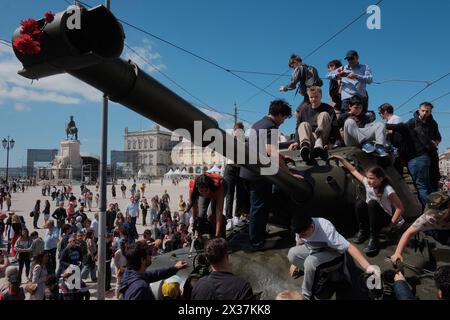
x=328 y=189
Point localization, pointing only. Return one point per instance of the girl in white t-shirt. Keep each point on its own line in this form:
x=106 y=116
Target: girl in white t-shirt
x=382 y=208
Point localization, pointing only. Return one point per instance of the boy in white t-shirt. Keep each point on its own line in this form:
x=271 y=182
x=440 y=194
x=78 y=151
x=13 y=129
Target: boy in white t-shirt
x=320 y=246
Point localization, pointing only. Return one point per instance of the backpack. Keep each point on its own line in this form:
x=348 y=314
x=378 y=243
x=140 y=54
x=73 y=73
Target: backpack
x=312 y=77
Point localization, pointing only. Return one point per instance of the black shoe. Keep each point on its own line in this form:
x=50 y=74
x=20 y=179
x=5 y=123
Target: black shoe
x=360 y=237
x=304 y=153
x=372 y=247
x=319 y=153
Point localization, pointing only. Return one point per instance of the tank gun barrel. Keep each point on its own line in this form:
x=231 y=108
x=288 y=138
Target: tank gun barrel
x=91 y=54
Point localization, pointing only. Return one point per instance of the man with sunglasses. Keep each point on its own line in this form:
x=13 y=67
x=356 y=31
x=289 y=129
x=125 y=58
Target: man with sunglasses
x=354 y=78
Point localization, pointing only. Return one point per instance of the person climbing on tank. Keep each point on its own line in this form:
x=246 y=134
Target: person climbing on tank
x=208 y=189
x=381 y=211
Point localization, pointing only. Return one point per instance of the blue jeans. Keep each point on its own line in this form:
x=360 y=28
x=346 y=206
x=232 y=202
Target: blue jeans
x=260 y=204
x=89 y=269
x=419 y=169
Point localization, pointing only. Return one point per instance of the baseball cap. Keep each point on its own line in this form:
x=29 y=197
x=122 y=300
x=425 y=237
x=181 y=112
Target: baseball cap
x=351 y=53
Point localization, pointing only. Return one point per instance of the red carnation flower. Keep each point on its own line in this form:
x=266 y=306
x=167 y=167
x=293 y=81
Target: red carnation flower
x=26 y=45
x=49 y=17
x=30 y=27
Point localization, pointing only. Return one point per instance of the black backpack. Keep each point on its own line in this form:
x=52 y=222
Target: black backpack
x=309 y=78
x=312 y=77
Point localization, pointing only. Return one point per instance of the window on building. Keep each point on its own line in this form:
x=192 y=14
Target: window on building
x=129 y=144
x=140 y=144
x=134 y=144
x=145 y=143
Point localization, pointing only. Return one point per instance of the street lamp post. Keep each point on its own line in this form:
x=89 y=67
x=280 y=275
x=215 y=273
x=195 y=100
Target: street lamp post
x=7 y=144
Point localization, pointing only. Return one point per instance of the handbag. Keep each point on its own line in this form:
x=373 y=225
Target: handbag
x=31 y=287
x=32 y=214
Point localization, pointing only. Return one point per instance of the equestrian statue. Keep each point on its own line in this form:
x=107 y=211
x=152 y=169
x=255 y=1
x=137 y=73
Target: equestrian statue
x=71 y=129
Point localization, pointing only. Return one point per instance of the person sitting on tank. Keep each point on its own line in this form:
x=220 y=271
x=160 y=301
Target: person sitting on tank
x=434 y=221
x=206 y=189
x=315 y=121
x=381 y=211
x=319 y=247
x=359 y=131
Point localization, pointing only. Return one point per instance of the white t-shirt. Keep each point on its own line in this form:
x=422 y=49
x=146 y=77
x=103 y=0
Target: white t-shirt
x=384 y=202
x=394 y=120
x=94 y=227
x=325 y=235
x=121 y=259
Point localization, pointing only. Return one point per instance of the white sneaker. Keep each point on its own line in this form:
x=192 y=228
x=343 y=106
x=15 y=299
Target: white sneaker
x=229 y=224
x=236 y=220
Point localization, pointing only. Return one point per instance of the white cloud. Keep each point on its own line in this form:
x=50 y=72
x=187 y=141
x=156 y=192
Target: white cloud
x=22 y=95
x=22 y=107
x=4 y=49
x=148 y=59
x=62 y=89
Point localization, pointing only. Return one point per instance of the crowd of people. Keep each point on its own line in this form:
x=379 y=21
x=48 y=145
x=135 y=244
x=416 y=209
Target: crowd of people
x=70 y=238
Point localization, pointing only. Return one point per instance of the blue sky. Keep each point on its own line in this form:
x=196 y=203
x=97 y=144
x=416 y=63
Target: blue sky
x=239 y=35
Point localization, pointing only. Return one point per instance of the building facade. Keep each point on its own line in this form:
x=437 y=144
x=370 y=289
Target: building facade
x=444 y=163
x=155 y=155
x=194 y=160
x=153 y=148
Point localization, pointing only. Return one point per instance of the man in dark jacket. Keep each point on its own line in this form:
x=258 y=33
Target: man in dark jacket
x=426 y=133
x=60 y=215
x=221 y=284
x=421 y=137
x=134 y=284
x=80 y=213
x=111 y=215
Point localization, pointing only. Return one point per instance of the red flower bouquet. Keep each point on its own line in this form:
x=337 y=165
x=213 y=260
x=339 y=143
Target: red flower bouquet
x=29 y=41
x=26 y=45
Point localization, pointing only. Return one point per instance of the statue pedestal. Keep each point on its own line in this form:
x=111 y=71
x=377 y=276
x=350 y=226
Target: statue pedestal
x=68 y=162
x=70 y=151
